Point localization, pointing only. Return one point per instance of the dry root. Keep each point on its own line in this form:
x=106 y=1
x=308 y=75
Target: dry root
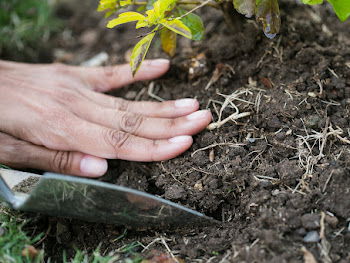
x=230 y=103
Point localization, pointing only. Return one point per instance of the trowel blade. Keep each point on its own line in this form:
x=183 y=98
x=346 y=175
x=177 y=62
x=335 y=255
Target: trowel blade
x=95 y=201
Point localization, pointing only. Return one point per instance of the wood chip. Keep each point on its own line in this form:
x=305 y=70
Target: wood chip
x=308 y=256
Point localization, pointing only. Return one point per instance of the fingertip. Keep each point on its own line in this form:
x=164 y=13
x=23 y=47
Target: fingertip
x=92 y=166
x=160 y=62
x=187 y=103
x=182 y=140
x=178 y=145
x=151 y=69
x=203 y=117
x=168 y=149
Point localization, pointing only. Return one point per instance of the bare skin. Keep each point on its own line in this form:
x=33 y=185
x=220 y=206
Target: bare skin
x=56 y=118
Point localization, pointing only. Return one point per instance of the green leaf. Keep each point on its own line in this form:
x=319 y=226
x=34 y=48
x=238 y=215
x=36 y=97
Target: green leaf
x=161 y=6
x=341 y=8
x=107 y=4
x=194 y=23
x=245 y=7
x=157 y=14
x=178 y=27
x=268 y=14
x=125 y=2
x=168 y=41
x=139 y=52
x=312 y=2
x=142 y=23
x=141 y=8
x=125 y=18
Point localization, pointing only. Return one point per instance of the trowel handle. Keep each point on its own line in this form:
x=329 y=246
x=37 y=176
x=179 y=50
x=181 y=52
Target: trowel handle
x=5 y=192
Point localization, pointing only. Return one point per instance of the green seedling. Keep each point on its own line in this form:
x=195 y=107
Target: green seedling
x=169 y=18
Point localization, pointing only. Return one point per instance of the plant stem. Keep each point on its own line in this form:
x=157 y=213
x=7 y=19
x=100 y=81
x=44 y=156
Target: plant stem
x=233 y=20
x=197 y=7
x=184 y=2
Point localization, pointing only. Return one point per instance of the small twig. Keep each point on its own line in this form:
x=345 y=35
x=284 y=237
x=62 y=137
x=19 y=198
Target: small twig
x=150 y=244
x=139 y=95
x=308 y=256
x=151 y=94
x=167 y=248
x=325 y=246
x=332 y=103
x=295 y=190
x=44 y=237
x=280 y=144
x=338 y=233
x=324 y=138
x=322 y=226
x=254 y=243
x=258 y=102
x=230 y=144
x=337 y=133
x=333 y=73
x=225 y=257
x=217 y=74
x=161 y=240
x=255 y=158
x=326 y=183
x=263 y=177
x=172 y=175
x=319 y=83
x=232 y=117
x=196 y=8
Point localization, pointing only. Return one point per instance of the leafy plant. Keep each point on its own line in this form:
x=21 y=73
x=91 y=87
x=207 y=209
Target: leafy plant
x=170 y=18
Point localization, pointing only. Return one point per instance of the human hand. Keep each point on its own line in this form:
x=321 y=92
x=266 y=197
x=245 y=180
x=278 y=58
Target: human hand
x=54 y=118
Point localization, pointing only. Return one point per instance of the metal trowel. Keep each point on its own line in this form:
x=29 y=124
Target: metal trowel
x=94 y=201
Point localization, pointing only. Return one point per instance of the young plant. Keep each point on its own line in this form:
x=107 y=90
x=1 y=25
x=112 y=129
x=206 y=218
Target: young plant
x=170 y=18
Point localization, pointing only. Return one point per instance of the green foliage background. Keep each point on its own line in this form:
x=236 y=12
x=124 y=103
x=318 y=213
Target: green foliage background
x=25 y=27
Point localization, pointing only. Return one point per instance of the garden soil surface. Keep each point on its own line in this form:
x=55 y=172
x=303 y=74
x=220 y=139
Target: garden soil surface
x=278 y=179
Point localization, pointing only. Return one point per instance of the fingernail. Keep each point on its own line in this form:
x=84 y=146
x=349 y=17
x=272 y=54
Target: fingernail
x=93 y=165
x=185 y=103
x=159 y=62
x=198 y=115
x=181 y=139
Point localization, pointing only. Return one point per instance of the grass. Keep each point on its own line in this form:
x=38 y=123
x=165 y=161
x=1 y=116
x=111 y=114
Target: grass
x=96 y=257
x=25 y=27
x=14 y=239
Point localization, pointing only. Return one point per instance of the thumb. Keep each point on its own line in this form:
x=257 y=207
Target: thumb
x=20 y=154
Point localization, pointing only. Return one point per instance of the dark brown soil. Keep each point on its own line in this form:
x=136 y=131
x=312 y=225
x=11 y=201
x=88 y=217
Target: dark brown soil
x=277 y=178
